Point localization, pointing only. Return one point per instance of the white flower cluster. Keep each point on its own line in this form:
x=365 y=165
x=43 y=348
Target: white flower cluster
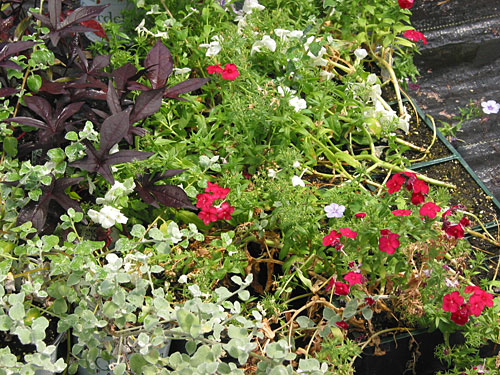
x=296 y=102
x=107 y=216
x=214 y=47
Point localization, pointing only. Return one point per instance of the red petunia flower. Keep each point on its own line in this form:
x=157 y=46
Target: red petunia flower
x=208 y=215
x=430 y=209
x=405 y=4
x=388 y=242
x=341 y=289
x=395 y=182
x=455 y=231
x=342 y=324
x=211 y=69
x=204 y=200
x=346 y=232
x=402 y=212
x=331 y=238
x=475 y=305
x=354 y=278
x=417 y=198
x=452 y=302
x=225 y=211
x=217 y=191
x=360 y=215
x=415 y=36
x=330 y=284
x=464 y=222
x=230 y=72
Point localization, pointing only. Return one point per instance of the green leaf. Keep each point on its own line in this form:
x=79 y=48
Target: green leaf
x=10 y=146
x=351 y=309
x=342 y=156
x=304 y=279
x=119 y=369
x=244 y=295
x=191 y=347
x=367 y=313
x=34 y=82
x=17 y=312
x=137 y=362
x=60 y=306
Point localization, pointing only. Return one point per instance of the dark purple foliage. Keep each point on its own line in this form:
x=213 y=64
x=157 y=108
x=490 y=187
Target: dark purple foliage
x=167 y=195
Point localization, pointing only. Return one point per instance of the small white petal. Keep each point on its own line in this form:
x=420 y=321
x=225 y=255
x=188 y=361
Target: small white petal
x=297 y=181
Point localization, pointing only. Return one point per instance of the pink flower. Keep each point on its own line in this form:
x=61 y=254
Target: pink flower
x=342 y=324
x=452 y=302
x=402 y=212
x=208 y=215
x=230 y=72
x=354 y=278
x=405 y=4
x=341 y=289
x=331 y=238
x=430 y=209
x=346 y=232
x=204 y=200
x=211 y=69
x=224 y=211
x=395 y=182
x=455 y=231
x=360 y=215
x=217 y=191
x=414 y=36
x=388 y=242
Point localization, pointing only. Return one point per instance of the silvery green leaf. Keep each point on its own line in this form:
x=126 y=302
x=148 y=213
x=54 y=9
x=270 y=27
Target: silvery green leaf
x=24 y=335
x=237 y=332
x=119 y=369
x=244 y=295
x=195 y=290
x=16 y=312
x=310 y=364
x=222 y=293
x=367 y=313
x=157 y=269
x=5 y=323
x=156 y=234
x=236 y=279
x=351 y=309
x=143 y=339
x=257 y=315
x=305 y=322
x=138 y=231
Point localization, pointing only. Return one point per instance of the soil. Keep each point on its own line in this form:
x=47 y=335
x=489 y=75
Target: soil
x=468 y=192
x=422 y=136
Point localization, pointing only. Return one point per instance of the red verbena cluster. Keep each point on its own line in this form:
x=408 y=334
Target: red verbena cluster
x=454 y=230
x=229 y=72
x=205 y=202
x=418 y=187
x=461 y=310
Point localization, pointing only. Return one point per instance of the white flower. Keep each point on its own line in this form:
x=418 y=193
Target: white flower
x=296 y=34
x=283 y=90
x=282 y=33
x=296 y=164
x=297 y=181
x=107 y=216
x=178 y=71
x=214 y=47
x=490 y=107
x=271 y=173
x=183 y=279
x=361 y=53
x=266 y=42
x=326 y=75
x=117 y=190
x=297 y=103
x=250 y=5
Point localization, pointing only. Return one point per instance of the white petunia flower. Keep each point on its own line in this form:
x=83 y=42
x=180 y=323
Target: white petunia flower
x=284 y=90
x=250 y=5
x=297 y=103
x=178 y=71
x=490 y=107
x=297 y=181
x=271 y=173
x=182 y=279
x=361 y=53
x=214 y=47
x=296 y=164
x=282 y=33
x=326 y=75
x=266 y=42
x=107 y=216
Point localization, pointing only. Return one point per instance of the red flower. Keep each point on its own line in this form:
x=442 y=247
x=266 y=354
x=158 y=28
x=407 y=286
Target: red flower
x=217 y=191
x=486 y=298
x=354 y=278
x=455 y=231
x=430 y=209
x=331 y=282
x=414 y=36
x=204 y=200
x=369 y=301
x=402 y=212
x=395 y=183
x=342 y=324
x=346 y=232
x=211 y=69
x=230 y=72
x=388 y=242
x=420 y=186
x=331 y=238
x=341 y=289
x=464 y=222
x=461 y=316
x=208 y=215
x=475 y=305
x=405 y=4
x=473 y=289
x=360 y=215
x=225 y=211
x=452 y=302
x=417 y=198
